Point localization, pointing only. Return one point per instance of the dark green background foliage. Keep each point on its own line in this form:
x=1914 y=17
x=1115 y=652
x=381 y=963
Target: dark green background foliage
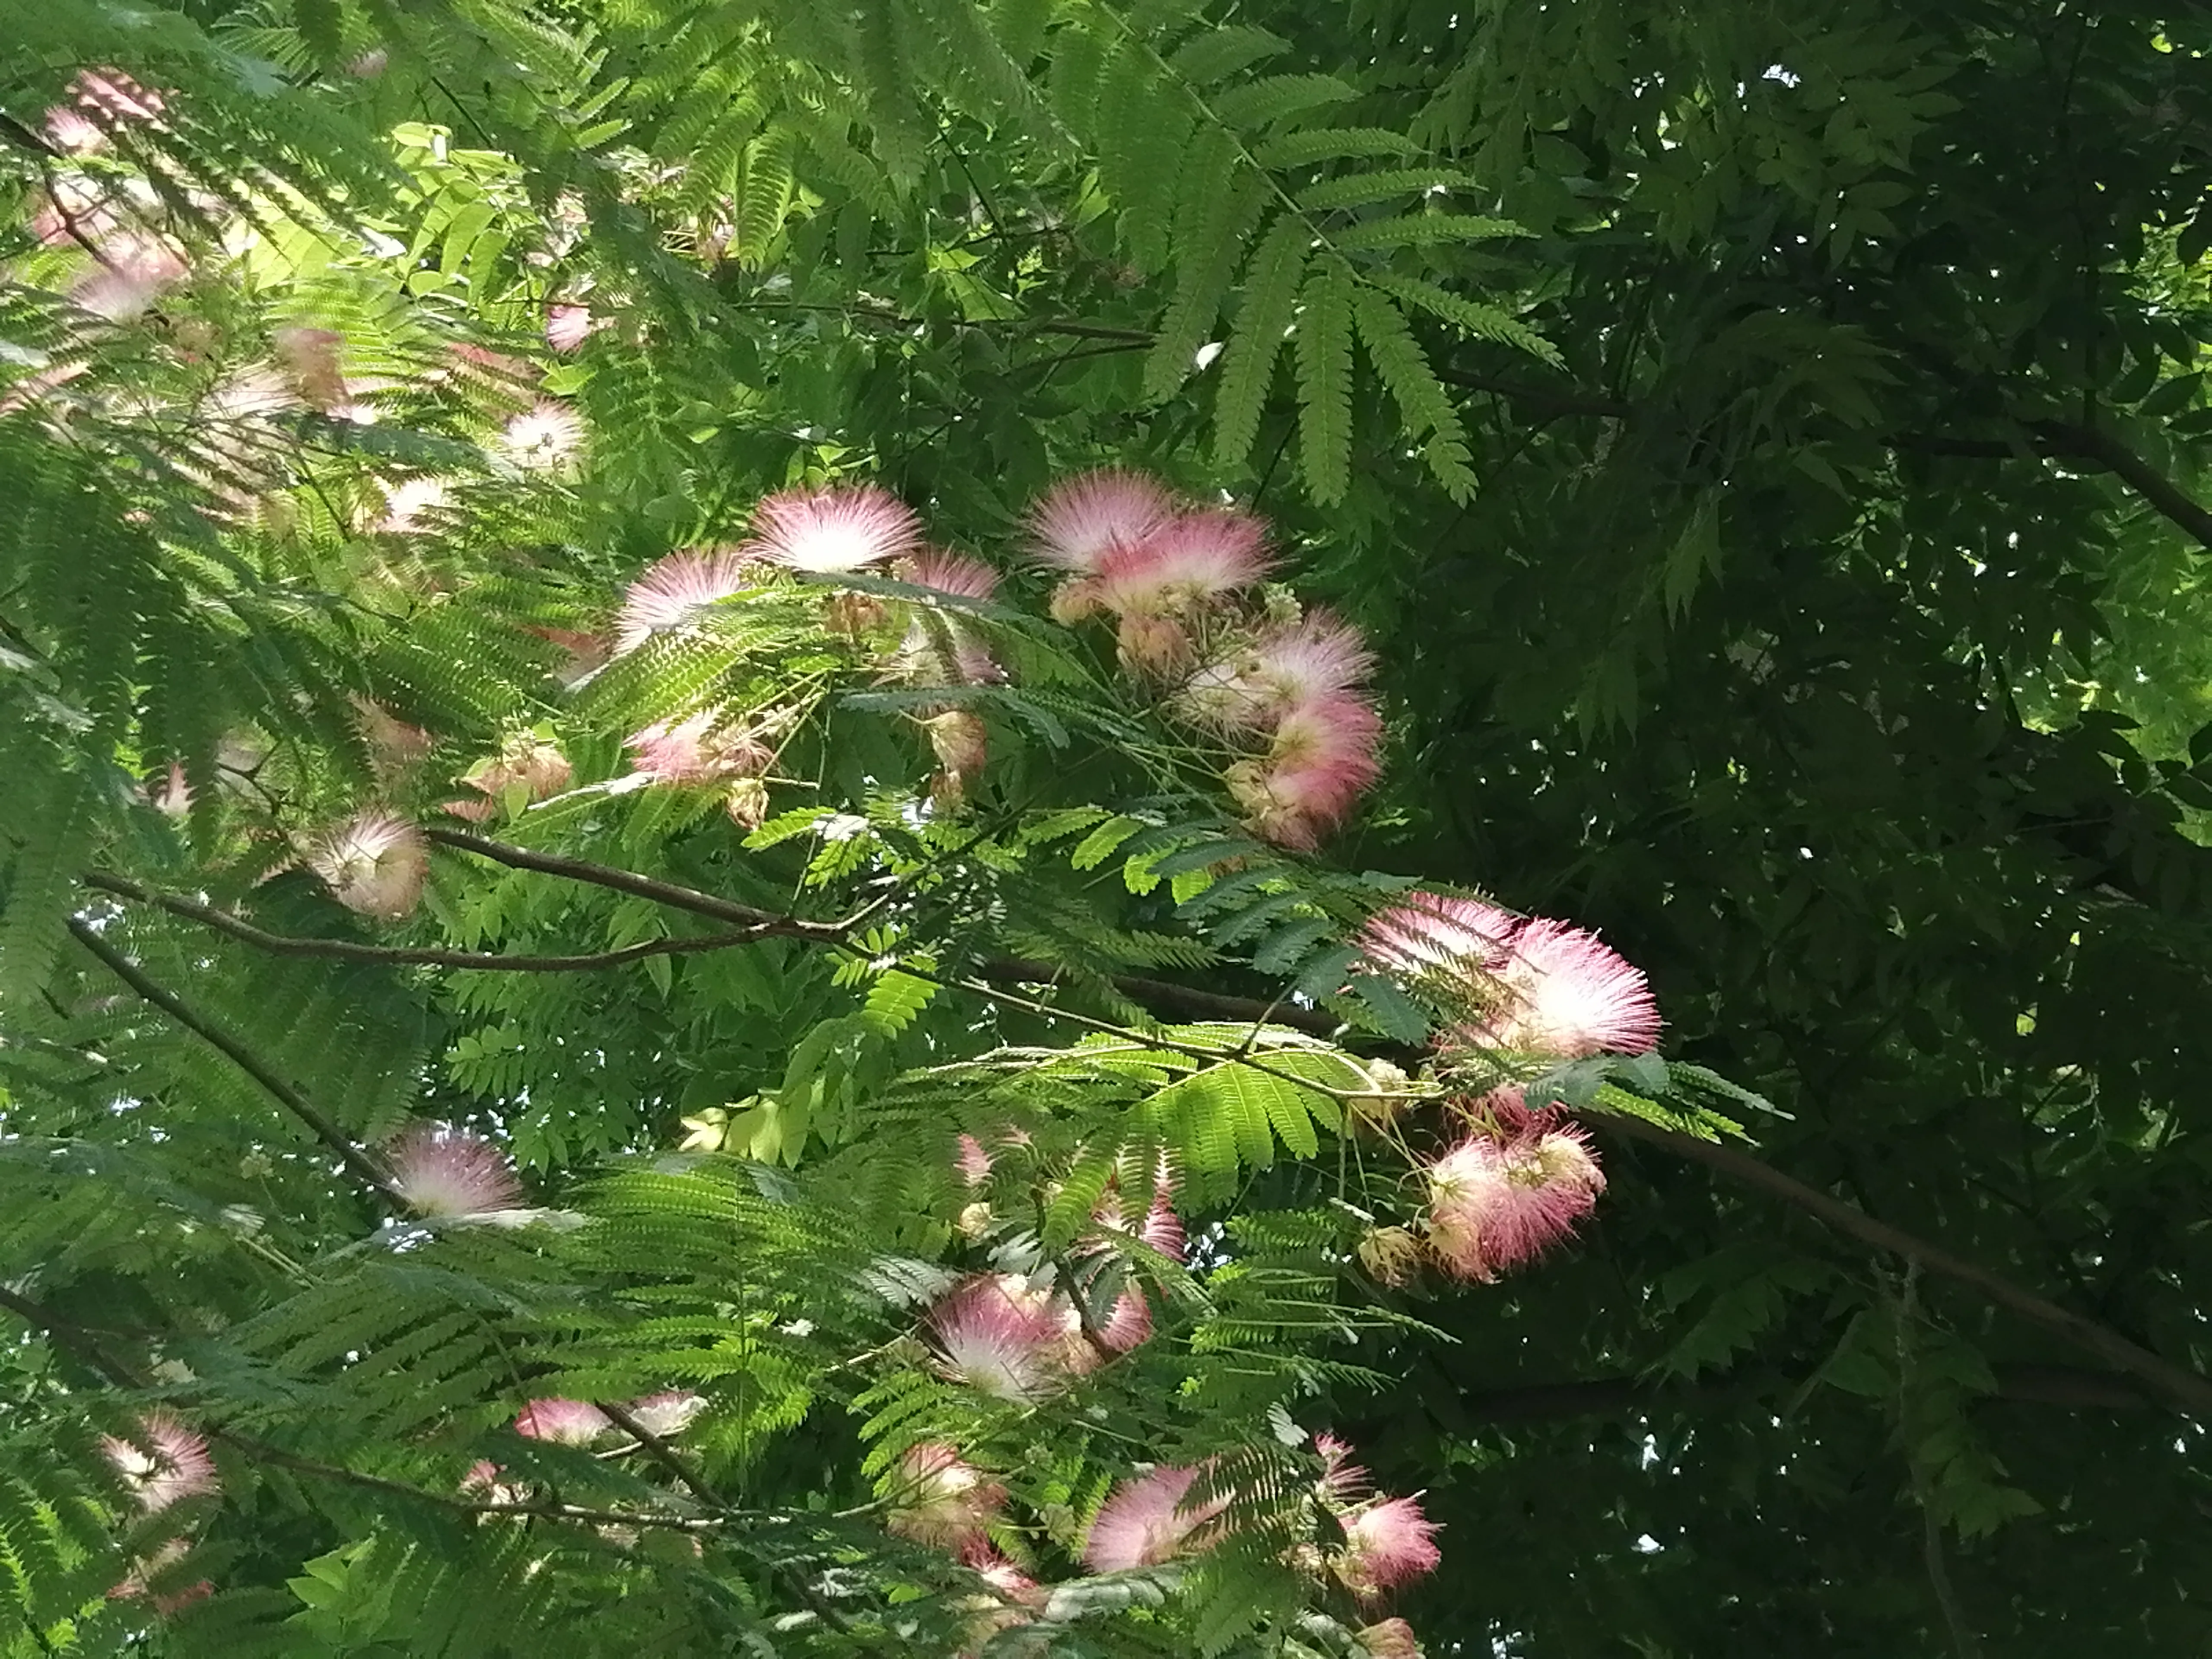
x=1763 y=443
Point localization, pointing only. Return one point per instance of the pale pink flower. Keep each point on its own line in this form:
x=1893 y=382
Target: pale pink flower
x=1146 y=1523
x=694 y=751
x=163 y=1462
x=174 y=798
x=973 y=1162
x=1497 y=1202
x=545 y=436
x=829 y=532
x=1001 y=1336
x=940 y=1500
x=484 y=1479
x=960 y=742
x=1568 y=995
x=524 y=761
x=1000 y=1574
x=1393 y=1638
x=443 y=1172
x=1128 y=1326
x=1080 y=519
x=1298 y=664
x=1182 y=563
x=135 y=267
x=393 y=745
x=941 y=648
x=1435 y=935
x=668 y=1413
x=673 y=589
x=1322 y=759
x=1163 y=1228
x=369 y=64
x=160 y=1566
x=1387 y=1543
x=409 y=505
x=568 y=327
x=1075 y=600
x=310 y=357
x=1342 y=1481
x=375 y=865
x=568 y=1422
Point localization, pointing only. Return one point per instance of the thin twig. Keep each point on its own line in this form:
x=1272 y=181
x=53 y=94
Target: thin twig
x=215 y=1037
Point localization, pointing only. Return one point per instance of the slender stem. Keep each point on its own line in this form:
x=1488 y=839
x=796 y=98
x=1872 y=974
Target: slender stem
x=2186 y=1389
x=352 y=1156
x=340 y=949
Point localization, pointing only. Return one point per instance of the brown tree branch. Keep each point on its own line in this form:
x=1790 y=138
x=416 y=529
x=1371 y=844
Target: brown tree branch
x=324 y=1129
x=404 y=956
x=2187 y=1388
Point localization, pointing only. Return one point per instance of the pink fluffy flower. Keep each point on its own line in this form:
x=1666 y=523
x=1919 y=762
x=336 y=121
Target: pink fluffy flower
x=1129 y=1325
x=173 y=798
x=136 y=266
x=1323 y=758
x=941 y=648
x=1080 y=519
x=696 y=752
x=1182 y=564
x=544 y=437
x=668 y=1413
x=1342 y=1481
x=375 y=865
x=1497 y=1202
x=940 y=1500
x=1001 y=1336
x=310 y=357
x=1300 y=664
x=408 y=506
x=443 y=1172
x=673 y=589
x=526 y=762
x=1568 y=995
x=1146 y=1522
x=1435 y=934
x=1393 y=1638
x=568 y=327
x=1387 y=1543
x=567 y=1422
x=160 y=1568
x=164 y=1462
x=829 y=532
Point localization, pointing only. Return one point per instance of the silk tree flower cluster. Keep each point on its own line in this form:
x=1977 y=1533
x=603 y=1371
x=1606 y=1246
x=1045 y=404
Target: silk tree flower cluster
x=1381 y=1543
x=1284 y=693
x=162 y=1461
x=1527 y=989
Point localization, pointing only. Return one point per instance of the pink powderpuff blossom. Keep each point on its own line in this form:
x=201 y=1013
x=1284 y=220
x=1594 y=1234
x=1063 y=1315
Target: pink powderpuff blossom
x=1300 y=664
x=696 y=752
x=941 y=648
x=160 y=1566
x=941 y=1501
x=1001 y=1336
x=163 y=1462
x=393 y=745
x=1387 y=1543
x=568 y=327
x=135 y=267
x=566 y=1422
x=1436 y=935
x=1146 y=1522
x=526 y=761
x=1569 y=996
x=309 y=357
x=1323 y=758
x=973 y=1161
x=1182 y=563
x=1128 y=1326
x=1497 y=1202
x=1342 y=1481
x=1080 y=519
x=673 y=589
x=410 y=505
x=665 y=1413
x=173 y=798
x=375 y=865
x=1393 y=1638
x=833 y=531
x=544 y=437
x=440 y=1170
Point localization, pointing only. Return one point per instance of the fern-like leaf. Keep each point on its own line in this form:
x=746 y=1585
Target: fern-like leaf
x=1324 y=359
